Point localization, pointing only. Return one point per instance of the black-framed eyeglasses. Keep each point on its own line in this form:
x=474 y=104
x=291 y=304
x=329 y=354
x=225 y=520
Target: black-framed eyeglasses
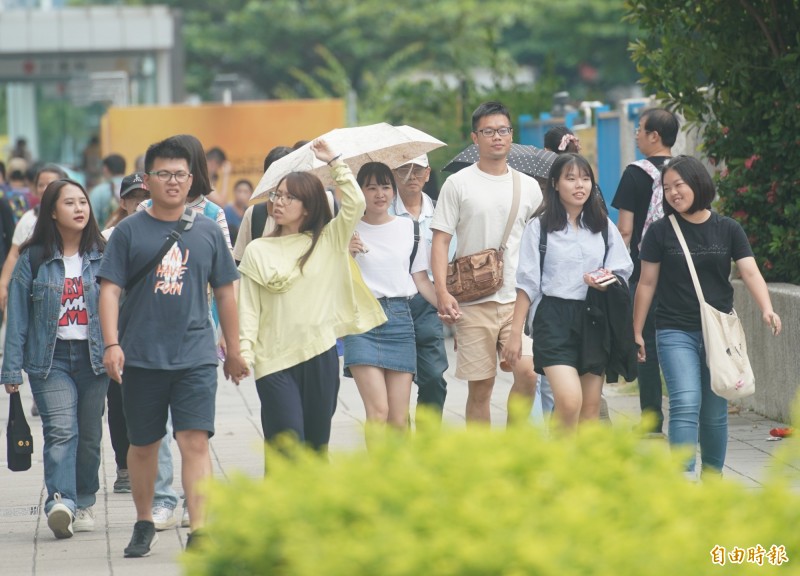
x=638 y=129
x=284 y=199
x=490 y=132
x=165 y=176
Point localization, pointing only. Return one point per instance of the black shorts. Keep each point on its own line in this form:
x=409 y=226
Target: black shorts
x=556 y=333
x=148 y=395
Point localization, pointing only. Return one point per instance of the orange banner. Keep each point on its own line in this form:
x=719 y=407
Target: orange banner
x=245 y=131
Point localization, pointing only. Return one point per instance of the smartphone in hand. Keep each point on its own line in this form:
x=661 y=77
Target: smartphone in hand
x=603 y=277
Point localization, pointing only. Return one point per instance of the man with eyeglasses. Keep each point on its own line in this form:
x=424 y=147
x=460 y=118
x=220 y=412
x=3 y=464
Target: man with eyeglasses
x=162 y=335
x=474 y=204
x=655 y=135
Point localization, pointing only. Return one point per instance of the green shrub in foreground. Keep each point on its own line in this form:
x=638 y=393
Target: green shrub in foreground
x=481 y=502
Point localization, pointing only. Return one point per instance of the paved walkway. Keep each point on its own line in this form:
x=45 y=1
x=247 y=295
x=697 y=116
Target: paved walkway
x=28 y=547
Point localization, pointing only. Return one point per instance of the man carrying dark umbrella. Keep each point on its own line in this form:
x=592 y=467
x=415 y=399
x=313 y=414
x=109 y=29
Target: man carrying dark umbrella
x=474 y=204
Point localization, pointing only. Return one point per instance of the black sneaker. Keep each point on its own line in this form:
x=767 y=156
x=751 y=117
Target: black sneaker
x=143 y=539
x=195 y=539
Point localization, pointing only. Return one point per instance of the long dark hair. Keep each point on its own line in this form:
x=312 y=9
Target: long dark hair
x=198 y=166
x=45 y=232
x=308 y=189
x=593 y=216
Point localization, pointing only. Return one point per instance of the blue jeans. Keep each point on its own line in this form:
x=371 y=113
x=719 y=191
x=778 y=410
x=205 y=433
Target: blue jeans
x=695 y=412
x=71 y=401
x=165 y=495
x=431 y=354
x=543 y=402
x=649 y=379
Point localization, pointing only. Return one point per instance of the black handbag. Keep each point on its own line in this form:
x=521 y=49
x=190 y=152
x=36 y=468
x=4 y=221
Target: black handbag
x=18 y=436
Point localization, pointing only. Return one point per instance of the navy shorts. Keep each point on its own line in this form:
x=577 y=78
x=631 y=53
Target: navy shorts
x=556 y=342
x=148 y=395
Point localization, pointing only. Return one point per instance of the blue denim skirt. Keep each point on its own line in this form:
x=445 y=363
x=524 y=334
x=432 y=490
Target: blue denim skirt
x=390 y=345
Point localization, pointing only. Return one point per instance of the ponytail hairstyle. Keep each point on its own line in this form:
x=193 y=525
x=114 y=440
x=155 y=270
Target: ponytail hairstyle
x=560 y=139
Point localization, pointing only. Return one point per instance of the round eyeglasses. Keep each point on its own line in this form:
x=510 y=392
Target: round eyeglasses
x=284 y=199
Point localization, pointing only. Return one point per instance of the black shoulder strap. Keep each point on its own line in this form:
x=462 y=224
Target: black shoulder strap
x=416 y=246
x=258 y=221
x=185 y=223
x=36 y=257
x=542 y=250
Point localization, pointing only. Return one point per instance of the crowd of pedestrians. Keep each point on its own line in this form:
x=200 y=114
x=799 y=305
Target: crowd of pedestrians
x=142 y=313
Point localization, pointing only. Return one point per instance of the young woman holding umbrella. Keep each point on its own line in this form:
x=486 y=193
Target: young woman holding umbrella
x=298 y=293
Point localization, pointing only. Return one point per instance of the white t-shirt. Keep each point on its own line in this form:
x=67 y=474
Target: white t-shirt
x=474 y=206
x=73 y=319
x=24 y=228
x=385 y=266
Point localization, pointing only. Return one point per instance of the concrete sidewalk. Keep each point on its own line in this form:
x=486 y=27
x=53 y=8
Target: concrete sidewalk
x=27 y=546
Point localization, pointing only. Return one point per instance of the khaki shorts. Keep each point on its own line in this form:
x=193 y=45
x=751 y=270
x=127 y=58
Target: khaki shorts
x=481 y=333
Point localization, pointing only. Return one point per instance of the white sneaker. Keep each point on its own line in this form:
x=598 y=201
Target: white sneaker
x=59 y=520
x=164 y=518
x=185 y=522
x=84 y=520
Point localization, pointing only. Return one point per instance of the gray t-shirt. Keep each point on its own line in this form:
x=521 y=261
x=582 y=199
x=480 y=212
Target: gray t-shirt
x=164 y=321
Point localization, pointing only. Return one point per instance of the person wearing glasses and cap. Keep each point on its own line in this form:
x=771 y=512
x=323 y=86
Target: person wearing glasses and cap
x=475 y=203
x=132 y=191
x=412 y=202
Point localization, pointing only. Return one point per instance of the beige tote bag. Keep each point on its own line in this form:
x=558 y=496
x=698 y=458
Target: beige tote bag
x=726 y=348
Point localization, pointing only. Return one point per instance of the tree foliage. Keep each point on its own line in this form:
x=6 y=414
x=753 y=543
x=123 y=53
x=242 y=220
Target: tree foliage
x=733 y=66
x=411 y=61
x=266 y=40
x=273 y=42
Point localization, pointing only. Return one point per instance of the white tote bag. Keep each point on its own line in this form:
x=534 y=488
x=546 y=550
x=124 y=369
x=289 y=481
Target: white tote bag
x=723 y=336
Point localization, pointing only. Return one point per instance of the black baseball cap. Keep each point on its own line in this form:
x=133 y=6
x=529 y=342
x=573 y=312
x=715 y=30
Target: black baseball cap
x=132 y=182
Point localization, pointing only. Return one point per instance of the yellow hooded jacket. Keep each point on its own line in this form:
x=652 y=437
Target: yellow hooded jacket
x=287 y=317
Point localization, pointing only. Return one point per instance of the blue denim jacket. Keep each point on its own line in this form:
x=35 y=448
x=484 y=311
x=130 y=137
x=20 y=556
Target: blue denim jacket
x=33 y=316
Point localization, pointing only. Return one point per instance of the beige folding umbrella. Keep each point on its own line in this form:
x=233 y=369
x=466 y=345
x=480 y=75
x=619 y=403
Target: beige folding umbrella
x=394 y=146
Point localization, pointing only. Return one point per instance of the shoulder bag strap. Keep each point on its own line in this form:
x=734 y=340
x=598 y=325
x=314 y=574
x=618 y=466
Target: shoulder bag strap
x=686 y=253
x=542 y=250
x=35 y=258
x=258 y=220
x=604 y=233
x=185 y=223
x=514 y=209
x=416 y=246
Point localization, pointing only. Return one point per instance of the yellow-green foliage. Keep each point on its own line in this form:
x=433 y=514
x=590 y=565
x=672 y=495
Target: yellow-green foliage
x=480 y=502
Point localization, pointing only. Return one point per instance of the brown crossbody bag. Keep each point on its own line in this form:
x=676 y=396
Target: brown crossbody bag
x=481 y=274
